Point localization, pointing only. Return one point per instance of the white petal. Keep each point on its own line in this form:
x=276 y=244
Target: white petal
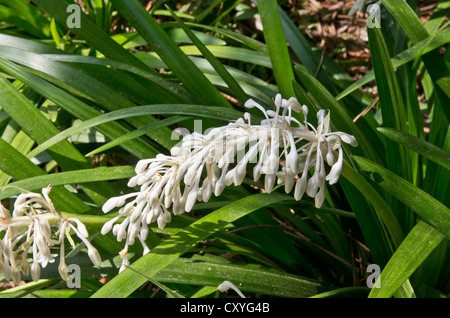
x=295 y=105
x=250 y=103
x=176 y=151
x=111 y=204
x=161 y=222
x=269 y=181
x=313 y=185
x=289 y=182
x=137 y=212
x=80 y=227
x=349 y=139
x=94 y=256
x=220 y=185
x=63 y=271
x=191 y=199
x=240 y=174
x=320 y=197
x=336 y=169
x=122 y=230
x=15 y=275
x=300 y=188
x=206 y=193
x=143 y=232
x=108 y=225
x=35 y=271
x=278 y=100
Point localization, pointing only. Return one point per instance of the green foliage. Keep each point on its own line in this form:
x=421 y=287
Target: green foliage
x=128 y=77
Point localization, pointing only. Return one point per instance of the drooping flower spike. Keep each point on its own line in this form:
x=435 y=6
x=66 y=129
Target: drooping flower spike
x=174 y=183
x=35 y=227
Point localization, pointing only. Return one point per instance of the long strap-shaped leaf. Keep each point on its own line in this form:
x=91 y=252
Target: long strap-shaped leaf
x=68 y=177
x=189 y=110
x=426 y=149
x=90 y=32
x=431 y=210
x=15 y=164
x=416 y=31
x=40 y=129
x=382 y=209
x=170 y=53
x=415 y=51
x=76 y=107
x=277 y=46
x=418 y=244
x=218 y=66
x=393 y=114
x=100 y=40
x=81 y=83
x=171 y=249
x=391 y=102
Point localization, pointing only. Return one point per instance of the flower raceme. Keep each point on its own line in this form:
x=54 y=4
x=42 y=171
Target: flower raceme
x=35 y=227
x=204 y=164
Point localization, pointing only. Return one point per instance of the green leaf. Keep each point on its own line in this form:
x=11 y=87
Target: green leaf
x=317 y=64
x=240 y=38
x=248 y=279
x=431 y=210
x=86 y=85
x=382 y=209
x=391 y=102
x=40 y=129
x=277 y=46
x=172 y=248
x=439 y=39
x=76 y=107
x=22 y=168
x=168 y=290
x=416 y=247
x=63 y=178
x=20 y=142
x=27 y=17
x=344 y=292
x=232 y=53
x=170 y=53
x=218 y=66
x=90 y=32
x=138 y=132
x=178 y=90
x=26 y=289
x=133 y=39
x=189 y=110
x=417 y=32
x=393 y=113
x=418 y=145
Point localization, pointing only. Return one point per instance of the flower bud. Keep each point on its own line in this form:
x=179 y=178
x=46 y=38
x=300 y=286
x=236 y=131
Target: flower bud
x=94 y=256
x=35 y=271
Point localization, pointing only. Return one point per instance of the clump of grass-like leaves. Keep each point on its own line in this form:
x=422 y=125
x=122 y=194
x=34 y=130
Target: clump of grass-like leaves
x=82 y=103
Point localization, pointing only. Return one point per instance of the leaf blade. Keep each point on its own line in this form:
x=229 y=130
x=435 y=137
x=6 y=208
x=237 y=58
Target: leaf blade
x=189 y=110
x=418 y=145
x=277 y=47
x=164 y=254
x=430 y=209
x=416 y=247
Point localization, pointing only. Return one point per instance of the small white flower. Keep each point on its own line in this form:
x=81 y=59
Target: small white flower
x=204 y=164
x=32 y=227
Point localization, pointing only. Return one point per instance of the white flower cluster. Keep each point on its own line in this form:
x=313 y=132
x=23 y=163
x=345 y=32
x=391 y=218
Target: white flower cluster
x=204 y=164
x=35 y=227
